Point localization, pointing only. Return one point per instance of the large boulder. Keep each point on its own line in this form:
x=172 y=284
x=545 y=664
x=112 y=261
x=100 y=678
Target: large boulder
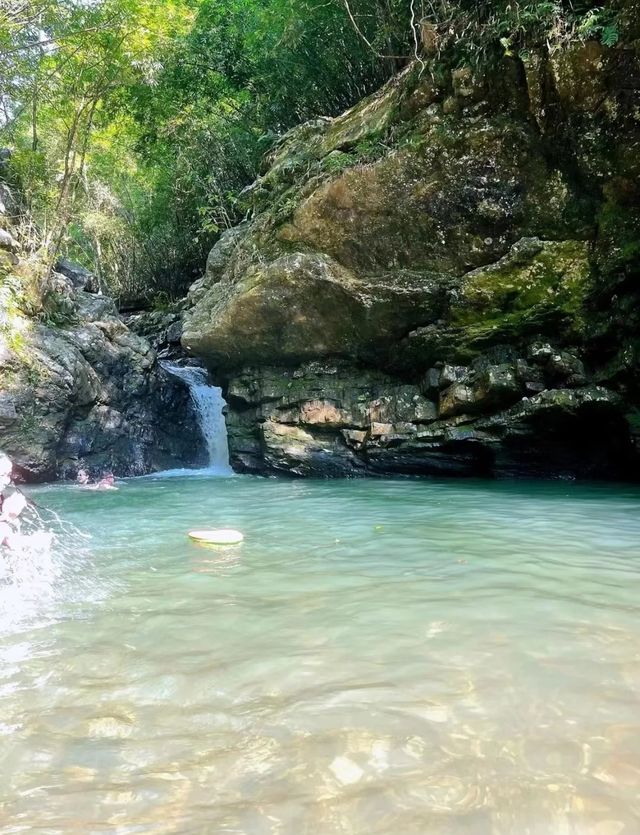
x=78 y=388
x=469 y=233
x=92 y=396
x=306 y=306
x=80 y=277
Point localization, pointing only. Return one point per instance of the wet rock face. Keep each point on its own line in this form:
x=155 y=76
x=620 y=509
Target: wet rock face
x=78 y=388
x=336 y=420
x=91 y=395
x=443 y=279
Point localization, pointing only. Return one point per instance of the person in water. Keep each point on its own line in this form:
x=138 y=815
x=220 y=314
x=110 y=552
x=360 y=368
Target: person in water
x=83 y=478
x=107 y=482
x=11 y=506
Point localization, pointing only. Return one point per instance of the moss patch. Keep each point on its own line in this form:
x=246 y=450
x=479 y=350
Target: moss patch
x=618 y=251
x=536 y=286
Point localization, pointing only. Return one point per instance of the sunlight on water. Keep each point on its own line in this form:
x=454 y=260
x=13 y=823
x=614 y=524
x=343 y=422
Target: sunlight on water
x=397 y=657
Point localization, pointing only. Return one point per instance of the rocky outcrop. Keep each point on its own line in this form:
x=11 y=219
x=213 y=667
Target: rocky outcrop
x=80 y=278
x=333 y=419
x=88 y=392
x=162 y=329
x=443 y=279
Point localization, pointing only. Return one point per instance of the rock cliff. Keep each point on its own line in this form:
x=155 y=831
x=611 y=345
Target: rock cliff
x=443 y=279
x=77 y=387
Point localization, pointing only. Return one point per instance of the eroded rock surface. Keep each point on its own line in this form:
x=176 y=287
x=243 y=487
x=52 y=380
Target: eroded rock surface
x=90 y=394
x=333 y=419
x=443 y=279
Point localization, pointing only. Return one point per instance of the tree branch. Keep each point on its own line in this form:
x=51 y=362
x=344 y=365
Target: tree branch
x=364 y=38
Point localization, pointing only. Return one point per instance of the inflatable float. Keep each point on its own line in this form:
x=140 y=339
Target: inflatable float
x=221 y=536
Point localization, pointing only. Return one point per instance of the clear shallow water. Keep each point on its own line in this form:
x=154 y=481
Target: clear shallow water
x=397 y=657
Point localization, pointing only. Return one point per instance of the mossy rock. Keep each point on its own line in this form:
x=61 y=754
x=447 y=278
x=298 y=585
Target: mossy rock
x=537 y=286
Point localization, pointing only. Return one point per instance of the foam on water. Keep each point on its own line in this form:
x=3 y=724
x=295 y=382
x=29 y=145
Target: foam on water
x=52 y=568
x=186 y=472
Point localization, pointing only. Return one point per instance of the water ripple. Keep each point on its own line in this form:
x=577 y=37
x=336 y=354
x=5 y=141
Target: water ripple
x=451 y=658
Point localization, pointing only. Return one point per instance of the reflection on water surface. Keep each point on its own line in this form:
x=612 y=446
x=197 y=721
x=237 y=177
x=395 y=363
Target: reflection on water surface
x=397 y=657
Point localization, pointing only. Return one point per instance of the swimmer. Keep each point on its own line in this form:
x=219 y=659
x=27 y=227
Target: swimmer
x=107 y=482
x=83 y=478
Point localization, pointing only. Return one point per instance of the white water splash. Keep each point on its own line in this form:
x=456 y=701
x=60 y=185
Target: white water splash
x=209 y=404
x=27 y=582
x=50 y=565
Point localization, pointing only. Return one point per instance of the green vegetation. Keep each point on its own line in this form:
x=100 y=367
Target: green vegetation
x=136 y=124
x=533 y=287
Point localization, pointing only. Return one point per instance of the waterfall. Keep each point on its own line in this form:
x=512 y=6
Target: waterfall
x=209 y=404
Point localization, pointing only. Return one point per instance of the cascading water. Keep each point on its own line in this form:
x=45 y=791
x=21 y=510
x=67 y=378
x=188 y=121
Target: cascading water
x=209 y=405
